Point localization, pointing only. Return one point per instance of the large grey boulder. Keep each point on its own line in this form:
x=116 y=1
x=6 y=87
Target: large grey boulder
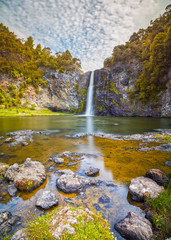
x=28 y=176
x=133 y=227
x=46 y=200
x=69 y=182
x=158 y=176
x=142 y=187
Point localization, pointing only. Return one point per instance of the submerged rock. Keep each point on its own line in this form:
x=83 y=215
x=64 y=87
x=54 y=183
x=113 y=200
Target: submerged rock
x=167 y=163
x=92 y=171
x=12 y=190
x=69 y=182
x=28 y=176
x=7 y=140
x=4 y=216
x=20 y=136
x=46 y=200
x=57 y=160
x=134 y=227
x=143 y=187
x=158 y=176
x=104 y=199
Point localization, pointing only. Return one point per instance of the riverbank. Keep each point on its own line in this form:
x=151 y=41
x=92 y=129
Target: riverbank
x=28 y=112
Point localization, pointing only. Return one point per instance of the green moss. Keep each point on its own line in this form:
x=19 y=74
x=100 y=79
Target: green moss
x=114 y=102
x=96 y=228
x=112 y=88
x=27 y=112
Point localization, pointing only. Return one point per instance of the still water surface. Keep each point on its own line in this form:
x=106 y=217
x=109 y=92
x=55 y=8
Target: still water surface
x=119 y=161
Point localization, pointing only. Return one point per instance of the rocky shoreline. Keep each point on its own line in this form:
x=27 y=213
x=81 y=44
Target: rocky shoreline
x=31 y=174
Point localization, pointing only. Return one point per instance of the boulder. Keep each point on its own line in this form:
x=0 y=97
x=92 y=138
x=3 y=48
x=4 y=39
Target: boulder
x=158 y=176
x=92 y=171
x=69 y=182
x=28 y=176
x=46 y=200
x=133 y=227
x=3 y=168
x=142 y=187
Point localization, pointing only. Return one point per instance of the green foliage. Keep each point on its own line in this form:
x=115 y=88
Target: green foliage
x=150 y=47
x=112 y=88
x=97 y=228
x=161 y=210
x=21 y=60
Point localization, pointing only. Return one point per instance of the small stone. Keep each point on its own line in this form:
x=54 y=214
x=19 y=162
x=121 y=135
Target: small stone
x=1 y=137
x=92 y=171
x=158 y=176
x=5 y=229
x=24 y=144
x=19 y=235
x=167 y=163
x=2 y=154
x=71 y=164
x=104 y=199
x=7 y=140
x=57 y=159
x=4 y=216
x=47 y=200
x=12 y=190
x=12 y=221
x=134 y=227
x=3 y=168
x=110 y=184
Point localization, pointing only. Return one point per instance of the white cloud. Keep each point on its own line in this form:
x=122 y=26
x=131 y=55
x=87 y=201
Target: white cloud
x=89 y=29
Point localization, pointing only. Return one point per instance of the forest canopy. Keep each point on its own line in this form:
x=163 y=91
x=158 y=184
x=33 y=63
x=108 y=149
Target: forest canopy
x=152 y=48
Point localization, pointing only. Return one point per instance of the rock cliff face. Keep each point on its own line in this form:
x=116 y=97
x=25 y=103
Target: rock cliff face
x=59 y=95
x=111 y=92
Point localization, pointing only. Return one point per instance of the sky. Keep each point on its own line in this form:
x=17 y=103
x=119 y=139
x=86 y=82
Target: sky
x=89 y=29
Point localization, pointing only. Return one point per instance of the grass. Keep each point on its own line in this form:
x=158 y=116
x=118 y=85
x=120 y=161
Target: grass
x=165 y=138
x=27 y=112
x=161 y=212
x=98 y=228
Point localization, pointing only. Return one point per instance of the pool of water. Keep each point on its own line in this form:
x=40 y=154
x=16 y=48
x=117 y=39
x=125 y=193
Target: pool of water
x=119 y=161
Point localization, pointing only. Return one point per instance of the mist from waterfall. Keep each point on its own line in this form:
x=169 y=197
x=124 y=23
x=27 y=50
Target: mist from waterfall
x=89 y=104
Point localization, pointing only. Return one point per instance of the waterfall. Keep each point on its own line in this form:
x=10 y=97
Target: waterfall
x=89 y=104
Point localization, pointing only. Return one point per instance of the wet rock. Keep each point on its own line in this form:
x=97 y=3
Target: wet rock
x=57 y=159
x=2 y=154
x=5 y=229
x=142 y=187
x=134 y=227
x=8 y=140
x=4 y=216
x=3 y=168
x=28 y=176
x=92 y=171
x=167 y=163
x=20 y=136
x=110 y=184
x=104 y=199
x=46 y=200
x=158 y=176
x=12 y=190
x=69 y=182
x=19 y=235
x=1 y=137
x=50 y=168
x=13 y=220
x=71 y=164
x=24 y=144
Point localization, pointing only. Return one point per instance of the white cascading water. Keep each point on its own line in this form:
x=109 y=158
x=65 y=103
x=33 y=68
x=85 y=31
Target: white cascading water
x=89 y=104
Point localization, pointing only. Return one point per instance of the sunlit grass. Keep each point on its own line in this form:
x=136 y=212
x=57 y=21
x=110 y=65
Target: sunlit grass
x=27 y=112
